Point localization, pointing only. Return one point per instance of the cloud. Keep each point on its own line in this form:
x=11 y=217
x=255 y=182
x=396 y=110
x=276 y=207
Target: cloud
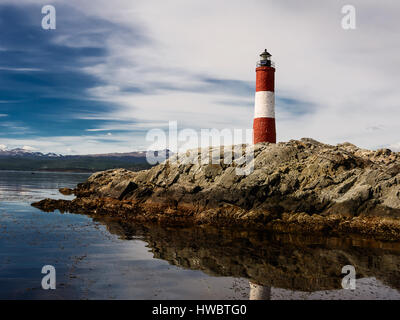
x=3 y=147
x=395 y=146
x=194 y=62
x=331 y=84
x=20 y=69
x=28 y=148
x=83 y=144
x=43 y=83
x=14 y=128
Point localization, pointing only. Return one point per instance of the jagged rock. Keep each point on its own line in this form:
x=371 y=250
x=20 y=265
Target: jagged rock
x=332 y=188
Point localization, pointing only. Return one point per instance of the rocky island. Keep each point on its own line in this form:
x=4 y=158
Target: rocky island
x=300 y=186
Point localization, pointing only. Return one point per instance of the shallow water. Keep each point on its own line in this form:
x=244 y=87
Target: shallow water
x=98 y=258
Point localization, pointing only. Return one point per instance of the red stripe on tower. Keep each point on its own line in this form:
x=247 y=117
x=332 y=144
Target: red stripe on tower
x=264 y=106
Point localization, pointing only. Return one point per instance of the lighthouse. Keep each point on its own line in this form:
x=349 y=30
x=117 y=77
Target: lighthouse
x=264 y=107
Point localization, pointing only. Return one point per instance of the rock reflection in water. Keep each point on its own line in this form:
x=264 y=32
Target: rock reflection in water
x=299 y=263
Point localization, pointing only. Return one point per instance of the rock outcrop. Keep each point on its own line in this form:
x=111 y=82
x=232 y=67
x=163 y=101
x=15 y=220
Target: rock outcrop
x=300 y=186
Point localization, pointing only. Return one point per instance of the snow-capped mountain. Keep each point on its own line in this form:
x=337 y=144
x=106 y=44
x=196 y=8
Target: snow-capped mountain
x=28 y=159
x=24 y=152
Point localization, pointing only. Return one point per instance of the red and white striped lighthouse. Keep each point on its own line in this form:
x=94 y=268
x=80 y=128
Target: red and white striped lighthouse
x=264 y=106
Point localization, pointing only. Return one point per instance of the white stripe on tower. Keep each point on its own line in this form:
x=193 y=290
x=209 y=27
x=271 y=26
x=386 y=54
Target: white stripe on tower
x=264 y=106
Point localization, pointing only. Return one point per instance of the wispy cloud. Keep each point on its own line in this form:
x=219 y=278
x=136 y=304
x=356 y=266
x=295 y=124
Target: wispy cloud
x=395 y=146
x=48 y=88
x=83 y=144
x=137 y=69
x=15 y=127
x=20 y=69
x=192 y=74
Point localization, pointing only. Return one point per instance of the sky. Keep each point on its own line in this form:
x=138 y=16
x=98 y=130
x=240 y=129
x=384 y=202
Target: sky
x=113 y=70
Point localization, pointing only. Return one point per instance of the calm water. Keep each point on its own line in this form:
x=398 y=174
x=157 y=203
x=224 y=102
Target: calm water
x=109 y=259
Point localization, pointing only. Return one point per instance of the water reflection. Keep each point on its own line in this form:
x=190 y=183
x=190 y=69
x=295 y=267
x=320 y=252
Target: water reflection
x=211 y=263
x=30 y=186
x=297 y=263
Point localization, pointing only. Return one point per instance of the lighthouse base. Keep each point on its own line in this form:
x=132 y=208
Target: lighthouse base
x=264 y=130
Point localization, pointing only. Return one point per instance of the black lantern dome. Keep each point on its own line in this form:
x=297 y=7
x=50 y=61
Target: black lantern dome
x=265 y=60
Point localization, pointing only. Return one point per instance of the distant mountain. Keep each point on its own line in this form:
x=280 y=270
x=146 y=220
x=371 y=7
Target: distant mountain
x=21 y=152
x=23 y=159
